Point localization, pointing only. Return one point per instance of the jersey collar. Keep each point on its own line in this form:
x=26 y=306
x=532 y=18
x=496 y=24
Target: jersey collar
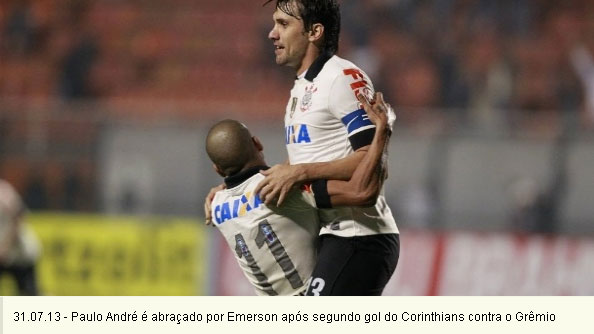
x=237 y=179
x=317 y=65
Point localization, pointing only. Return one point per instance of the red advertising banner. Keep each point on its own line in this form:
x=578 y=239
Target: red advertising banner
x=467 y=264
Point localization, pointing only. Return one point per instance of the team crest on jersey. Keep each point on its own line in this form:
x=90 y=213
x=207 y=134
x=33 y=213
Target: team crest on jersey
x=306 y=102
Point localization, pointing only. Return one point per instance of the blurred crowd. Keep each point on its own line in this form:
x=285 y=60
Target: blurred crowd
x=507 y=62
x=484 y=65
x=491 y=63
x=110 y=50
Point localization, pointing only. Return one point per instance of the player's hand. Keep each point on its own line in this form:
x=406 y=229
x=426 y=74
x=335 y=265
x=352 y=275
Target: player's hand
x=208 y=203
x=278 y=181
x=379 y=112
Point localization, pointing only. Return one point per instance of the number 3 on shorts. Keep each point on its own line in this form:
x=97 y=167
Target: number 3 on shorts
x=316 y=286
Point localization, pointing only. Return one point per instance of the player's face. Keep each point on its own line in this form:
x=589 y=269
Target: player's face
x=289 y=38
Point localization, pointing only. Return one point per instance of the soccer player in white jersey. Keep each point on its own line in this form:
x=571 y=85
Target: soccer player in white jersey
x=327 y=135
x=276 y=246
x=19 y=247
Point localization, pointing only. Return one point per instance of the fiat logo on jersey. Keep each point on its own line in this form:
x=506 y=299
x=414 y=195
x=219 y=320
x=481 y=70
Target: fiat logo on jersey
x=306 y=102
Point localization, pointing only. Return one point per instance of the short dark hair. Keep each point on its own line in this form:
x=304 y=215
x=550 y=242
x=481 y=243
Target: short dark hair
x=326 y=12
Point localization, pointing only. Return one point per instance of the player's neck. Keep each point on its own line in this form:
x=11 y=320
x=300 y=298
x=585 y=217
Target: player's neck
x=253 y=163
x=311 y=54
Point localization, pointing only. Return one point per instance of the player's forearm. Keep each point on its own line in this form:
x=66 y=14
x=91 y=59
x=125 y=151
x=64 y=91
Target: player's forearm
x=365 y=184
x=341 y=169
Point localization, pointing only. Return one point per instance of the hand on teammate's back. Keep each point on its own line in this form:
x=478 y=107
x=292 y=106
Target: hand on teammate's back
x=208 y=202
x=278 y=181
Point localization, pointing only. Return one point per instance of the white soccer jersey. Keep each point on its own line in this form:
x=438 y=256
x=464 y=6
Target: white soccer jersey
x=323 y=121
x=274 y=246
x=26 y=248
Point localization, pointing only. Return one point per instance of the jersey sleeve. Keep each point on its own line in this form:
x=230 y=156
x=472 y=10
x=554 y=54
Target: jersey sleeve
x=344 y=105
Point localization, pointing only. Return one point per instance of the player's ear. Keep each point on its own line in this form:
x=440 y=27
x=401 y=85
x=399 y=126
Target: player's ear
x=316 y=33
x=218 y=170
x=257 y=144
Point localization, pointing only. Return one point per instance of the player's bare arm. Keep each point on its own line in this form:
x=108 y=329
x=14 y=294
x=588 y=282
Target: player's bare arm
x=365 y=185
x=280 y=179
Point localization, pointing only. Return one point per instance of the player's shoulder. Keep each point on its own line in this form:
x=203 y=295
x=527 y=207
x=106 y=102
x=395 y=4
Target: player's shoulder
x=343 y=76
x=247 y=185
x=337 y=66
x=342 y=63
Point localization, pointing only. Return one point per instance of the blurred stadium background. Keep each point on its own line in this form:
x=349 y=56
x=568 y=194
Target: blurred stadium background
x=104 y=106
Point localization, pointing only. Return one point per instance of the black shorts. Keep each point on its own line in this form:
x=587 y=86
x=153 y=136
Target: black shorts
x=24 y=276
x=356 y=266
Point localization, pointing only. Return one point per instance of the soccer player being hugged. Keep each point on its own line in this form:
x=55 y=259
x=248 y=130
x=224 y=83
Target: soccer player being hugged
x=328 y=135
x=275 y=246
